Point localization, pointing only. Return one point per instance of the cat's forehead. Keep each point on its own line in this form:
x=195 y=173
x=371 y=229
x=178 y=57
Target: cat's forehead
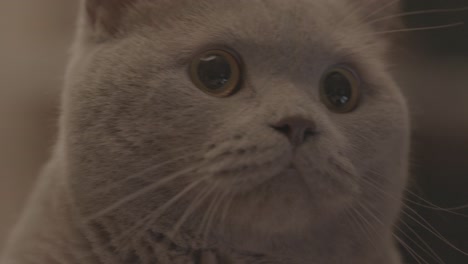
x=258 y=18
x=295 y=25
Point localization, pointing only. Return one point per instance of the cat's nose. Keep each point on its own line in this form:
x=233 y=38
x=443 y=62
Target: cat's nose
x=297 y=129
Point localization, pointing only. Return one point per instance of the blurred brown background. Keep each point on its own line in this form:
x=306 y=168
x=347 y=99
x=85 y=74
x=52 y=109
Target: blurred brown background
x=34 y=37
x=431 y=66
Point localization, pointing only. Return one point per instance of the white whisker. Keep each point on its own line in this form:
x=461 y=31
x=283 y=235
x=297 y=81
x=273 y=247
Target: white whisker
x=382 y=8
x=411 y=251
x=218 y=201
x=140 y=192
x=194 y=205
x=146 y=221
x=432 y=205
x=431 y=11
x=204 y=220
x=361 y=225
x=418 y=28
x=424 y=224
x=144 y=172
x=436 y=207
x=428 y=250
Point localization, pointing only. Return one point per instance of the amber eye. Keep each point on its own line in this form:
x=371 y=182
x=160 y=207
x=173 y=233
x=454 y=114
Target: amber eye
x=340 y=89
x=216 y=72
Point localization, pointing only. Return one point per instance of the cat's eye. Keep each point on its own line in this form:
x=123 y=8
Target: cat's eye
x=340 y=89
x=216 y=72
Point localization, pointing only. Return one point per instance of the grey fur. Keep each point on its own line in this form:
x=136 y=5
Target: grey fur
x=129 y=105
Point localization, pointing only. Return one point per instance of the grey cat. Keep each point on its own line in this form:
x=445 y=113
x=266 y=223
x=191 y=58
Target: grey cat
x=216 y=131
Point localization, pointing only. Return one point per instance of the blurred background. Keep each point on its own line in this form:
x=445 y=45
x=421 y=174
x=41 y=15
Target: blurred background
x=431 y=67
x=34 y=38
x=433 y=72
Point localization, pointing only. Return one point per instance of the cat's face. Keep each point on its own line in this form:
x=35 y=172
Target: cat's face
x=313 y=117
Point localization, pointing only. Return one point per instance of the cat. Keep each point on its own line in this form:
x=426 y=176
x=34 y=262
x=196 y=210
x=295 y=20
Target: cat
x=216 y=131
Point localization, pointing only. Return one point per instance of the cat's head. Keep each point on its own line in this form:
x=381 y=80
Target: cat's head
x=266 y=119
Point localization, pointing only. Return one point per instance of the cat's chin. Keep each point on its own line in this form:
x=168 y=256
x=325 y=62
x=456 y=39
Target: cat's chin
x=283 y=207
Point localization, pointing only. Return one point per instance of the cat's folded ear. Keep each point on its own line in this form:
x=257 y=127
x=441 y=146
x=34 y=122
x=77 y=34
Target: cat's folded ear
x=104 y=18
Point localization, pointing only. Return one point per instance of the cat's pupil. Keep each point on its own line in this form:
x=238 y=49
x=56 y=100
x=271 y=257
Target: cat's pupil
x=338 y=89
x=214 y=71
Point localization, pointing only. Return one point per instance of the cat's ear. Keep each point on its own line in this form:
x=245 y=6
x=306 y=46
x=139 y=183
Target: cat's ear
x=104 y=18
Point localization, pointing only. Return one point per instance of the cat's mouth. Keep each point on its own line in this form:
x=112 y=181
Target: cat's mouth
x=288 y=175
x=285 y=175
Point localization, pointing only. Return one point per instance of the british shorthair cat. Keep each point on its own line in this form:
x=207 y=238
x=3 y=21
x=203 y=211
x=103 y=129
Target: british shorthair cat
x=216 y=131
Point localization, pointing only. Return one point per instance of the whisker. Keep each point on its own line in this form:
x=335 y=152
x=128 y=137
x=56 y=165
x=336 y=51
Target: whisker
x=419 y=28
x=411 y=251
x=206 y=215
x=146 y=221
x=352 y=12
x=194 y=205
x=142 y=173
x=435 y=207
x=227 y=206
x=430 y=11
x=425 y=224
x=142 y=191
x=357 y=223
x=224 y=213
x=361 y=225
x=361 y=8
x=219 y=200
x=371 y=228
x=382 y=8
x=428 y=250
